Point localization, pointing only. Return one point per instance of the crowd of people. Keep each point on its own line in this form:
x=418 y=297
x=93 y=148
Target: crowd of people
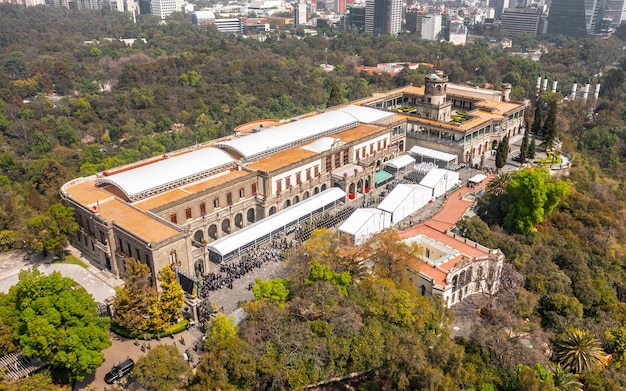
x=252 y=259
x=325 y=220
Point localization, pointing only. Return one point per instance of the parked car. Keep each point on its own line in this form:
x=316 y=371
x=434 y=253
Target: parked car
x=119 y=371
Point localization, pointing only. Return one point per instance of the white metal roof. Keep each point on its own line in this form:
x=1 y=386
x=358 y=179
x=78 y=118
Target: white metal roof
x=281 y=137
x=359 y=218
x=434 y=154
x=150 y=179
x=400 y=162
x=366 y=115
x=434 y=177
x=284 y=136
x=400 y=193
x=246 y=235
x=321 y=145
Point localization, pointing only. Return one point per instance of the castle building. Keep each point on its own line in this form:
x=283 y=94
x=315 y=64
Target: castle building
x=178 y=209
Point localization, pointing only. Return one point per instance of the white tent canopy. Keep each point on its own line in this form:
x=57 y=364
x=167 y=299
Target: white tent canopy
x=365 y=222
x=261 y=231
x=426 y=154
x=400 y=162
x=404 y=200
x=476 y=179
x=440 y=181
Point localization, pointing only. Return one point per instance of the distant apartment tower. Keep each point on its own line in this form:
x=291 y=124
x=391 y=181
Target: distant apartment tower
x=300 y=13
x=431 y=27
x=340 y=6
x=356 y=17
x=413 y=22
x=614 y=11
x=383 y=16
x=498 y=6
x=162 y=8
x=574 y=18
x=520 y=21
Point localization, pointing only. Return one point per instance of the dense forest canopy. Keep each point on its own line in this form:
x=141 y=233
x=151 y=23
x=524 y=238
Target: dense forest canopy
x=74 y=100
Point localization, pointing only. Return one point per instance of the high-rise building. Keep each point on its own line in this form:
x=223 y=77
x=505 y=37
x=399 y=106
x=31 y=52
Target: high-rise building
x=162 y=8
x=614 y=11
x=413 y=22
x=383 y=16
x=356 y=17
x=431 y=27
x=520 y=21
x=300 y=13
x=498 y=6
x=574 y=18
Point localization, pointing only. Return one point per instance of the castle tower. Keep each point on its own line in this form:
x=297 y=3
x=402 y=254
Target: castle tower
x=506 y=92
x=435 y=87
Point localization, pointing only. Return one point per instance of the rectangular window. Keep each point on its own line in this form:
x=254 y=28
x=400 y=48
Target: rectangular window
x=316 y=170
x=216 y=203
x=329 y=163
x=173 y=218
x=371 y=148
x=241 y=193
x=288 y=183
x=173 y=260
x=308 y=174
x=188 y=213
x=279 y=186
x=337 y=160
x=378 y=146
x=229 y=198
x=253 y=188
x=202 y=209
x=346 y=157
x=357 y=155
x=298 y=178
x=384 y=143
x=363 y=150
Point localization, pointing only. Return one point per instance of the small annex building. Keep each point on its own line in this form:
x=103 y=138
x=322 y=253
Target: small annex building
x=441 y=159
x=365 y=222
x=404 y=200
x=453 y=267
x=401 y=164
x=440 y=181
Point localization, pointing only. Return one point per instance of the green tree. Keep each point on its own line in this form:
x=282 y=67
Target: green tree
x=275 y=289
x=523 y=150
x=565 y=380
x=579 y=351
x=532 y=149
x=58 y=323
x=498 y=184
x=336 y=96
x=171 y=295
x=536 y=128
x=319 y=272
x=51 y=232
x=134 y=298
x=550 y=130
x=532 y=196
x=162 y=369
x=502 y=152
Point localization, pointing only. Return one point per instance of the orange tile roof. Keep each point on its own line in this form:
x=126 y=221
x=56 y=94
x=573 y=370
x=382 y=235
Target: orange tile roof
x=187 y=190
x=281 y=159
x=135 y=221
x=85 y=192
x=357 y=133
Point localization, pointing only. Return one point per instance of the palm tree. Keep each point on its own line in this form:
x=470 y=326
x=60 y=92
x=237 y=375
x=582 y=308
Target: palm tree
x=497 y=185
x=565 y=380
x=579 y=351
